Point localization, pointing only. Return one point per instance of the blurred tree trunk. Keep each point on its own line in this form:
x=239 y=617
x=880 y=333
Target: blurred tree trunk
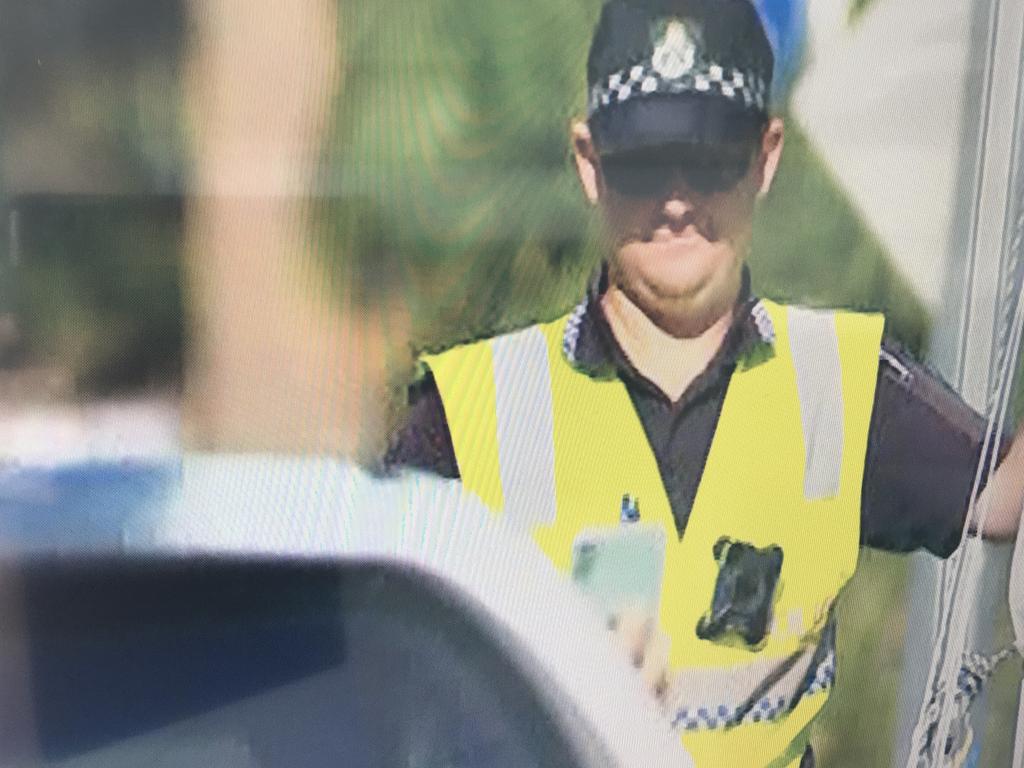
x=280 y=357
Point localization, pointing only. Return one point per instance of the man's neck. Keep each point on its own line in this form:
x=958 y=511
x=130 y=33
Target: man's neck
x=669 y=362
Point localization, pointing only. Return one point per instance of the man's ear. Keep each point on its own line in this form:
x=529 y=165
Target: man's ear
x=771 y=151
x=588 y=167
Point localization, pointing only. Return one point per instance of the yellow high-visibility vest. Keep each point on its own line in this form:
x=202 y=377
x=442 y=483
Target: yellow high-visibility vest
x=557 y=450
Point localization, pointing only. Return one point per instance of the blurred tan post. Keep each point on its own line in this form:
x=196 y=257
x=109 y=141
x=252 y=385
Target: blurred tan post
x=279 y=358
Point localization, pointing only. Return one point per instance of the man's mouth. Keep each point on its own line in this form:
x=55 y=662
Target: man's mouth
x=688 y=234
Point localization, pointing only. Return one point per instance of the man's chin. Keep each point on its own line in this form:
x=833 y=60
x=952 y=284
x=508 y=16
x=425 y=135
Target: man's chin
x=686 y=288
x=683 y=308
x=674 y=271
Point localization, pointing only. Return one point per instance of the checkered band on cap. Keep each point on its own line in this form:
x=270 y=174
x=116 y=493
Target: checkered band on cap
x=644 y=79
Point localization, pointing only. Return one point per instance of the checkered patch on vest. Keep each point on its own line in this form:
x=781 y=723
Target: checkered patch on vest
x=744 y=592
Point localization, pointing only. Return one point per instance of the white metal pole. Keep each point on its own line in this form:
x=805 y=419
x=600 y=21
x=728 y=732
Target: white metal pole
x=964 y=345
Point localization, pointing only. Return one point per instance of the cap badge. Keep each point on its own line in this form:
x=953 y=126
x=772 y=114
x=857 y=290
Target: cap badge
x=674 y=55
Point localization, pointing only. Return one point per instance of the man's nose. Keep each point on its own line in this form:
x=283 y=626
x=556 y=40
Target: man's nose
x=679 y=197
x=677 y=205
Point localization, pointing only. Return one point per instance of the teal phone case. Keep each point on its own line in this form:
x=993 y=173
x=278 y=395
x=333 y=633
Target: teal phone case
x=621 y=568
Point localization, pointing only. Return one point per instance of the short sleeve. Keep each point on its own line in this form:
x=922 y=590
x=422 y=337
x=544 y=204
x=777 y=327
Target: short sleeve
x=924 y=448
x=423 y=441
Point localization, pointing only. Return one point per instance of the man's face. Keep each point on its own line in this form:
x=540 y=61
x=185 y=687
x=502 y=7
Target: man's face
x=680 y=220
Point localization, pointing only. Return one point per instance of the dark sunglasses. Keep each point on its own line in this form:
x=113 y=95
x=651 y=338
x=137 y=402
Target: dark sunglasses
x=703 y=169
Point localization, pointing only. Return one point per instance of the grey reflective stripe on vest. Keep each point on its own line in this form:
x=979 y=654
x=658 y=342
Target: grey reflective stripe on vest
x=814 y=344
x=526 y=441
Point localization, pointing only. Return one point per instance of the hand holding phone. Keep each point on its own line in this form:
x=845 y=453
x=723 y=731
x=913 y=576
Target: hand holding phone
x=621 y=570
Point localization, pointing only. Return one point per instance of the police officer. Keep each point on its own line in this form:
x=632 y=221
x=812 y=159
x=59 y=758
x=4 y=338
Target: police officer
x=769 y=442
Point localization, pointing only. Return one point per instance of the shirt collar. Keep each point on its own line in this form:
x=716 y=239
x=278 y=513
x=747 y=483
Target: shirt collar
x=590 y=346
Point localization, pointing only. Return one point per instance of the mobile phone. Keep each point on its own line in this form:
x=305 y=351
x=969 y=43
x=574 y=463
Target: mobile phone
x=621 y=569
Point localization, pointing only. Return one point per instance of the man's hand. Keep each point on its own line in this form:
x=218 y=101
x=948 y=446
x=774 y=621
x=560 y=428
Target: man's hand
x=648 y=649
x=1005 y=494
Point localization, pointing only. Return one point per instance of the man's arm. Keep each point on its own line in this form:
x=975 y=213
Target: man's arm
x=1005 y=495
x=923 y=452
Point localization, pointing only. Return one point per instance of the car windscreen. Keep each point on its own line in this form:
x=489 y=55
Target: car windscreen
x=233 y=663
